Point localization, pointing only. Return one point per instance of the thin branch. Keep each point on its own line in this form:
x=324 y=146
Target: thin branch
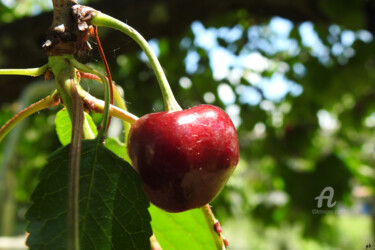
x=25 y=72
x=97 y=105
x=214 y=226
x=49 y=101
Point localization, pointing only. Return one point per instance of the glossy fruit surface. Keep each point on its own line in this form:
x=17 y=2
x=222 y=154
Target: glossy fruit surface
x=184 y=157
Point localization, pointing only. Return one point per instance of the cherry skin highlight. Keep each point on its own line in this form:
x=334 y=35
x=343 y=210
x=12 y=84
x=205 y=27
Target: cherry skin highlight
x=184 y=157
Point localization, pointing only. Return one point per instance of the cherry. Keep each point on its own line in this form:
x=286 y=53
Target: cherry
x=184 y=157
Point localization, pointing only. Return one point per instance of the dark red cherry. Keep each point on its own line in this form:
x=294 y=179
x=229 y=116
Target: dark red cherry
x=184 y=157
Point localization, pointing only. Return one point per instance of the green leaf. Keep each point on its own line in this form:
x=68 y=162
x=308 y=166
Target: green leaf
x=112 y=206
x=186 y=230
x=117 y=147
x=64 y=126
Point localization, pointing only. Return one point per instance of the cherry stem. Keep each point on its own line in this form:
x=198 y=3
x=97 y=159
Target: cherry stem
x=49 y=101
x=108 y=72
x=214 y=227
x=118 y=98
x=154 y=243
x=25 y=72
x=82 y=67
x=97 y=105
x=104 y=20
x=89 y=76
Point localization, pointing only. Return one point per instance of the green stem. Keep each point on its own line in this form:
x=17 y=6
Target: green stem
x=49 y=101
x=65 y=76
x=74 y=169
x=104 y=20
x=67 y=85
x=211 y=221
x=25 y=72
x=84 y=68
x=119 y=100
x=121 y=104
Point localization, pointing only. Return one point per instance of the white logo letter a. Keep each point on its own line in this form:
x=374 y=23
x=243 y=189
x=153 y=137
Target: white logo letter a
x=329 y=197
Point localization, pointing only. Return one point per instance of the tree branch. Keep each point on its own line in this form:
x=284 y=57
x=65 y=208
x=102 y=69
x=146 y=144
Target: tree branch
x=153 y=19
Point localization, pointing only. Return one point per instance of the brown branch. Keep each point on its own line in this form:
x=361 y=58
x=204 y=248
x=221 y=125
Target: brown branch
x=69 y=32
x=62 y=33
x=62 y=15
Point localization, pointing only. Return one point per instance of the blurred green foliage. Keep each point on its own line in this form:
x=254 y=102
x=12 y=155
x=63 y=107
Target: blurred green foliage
x=303 y=104
x=11 y=10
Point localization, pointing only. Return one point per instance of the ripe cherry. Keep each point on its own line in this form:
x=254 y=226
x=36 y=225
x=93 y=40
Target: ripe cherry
x=184 y=157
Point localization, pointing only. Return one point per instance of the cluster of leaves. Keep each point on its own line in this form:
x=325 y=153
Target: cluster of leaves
x=113 y=210
x=289 y=152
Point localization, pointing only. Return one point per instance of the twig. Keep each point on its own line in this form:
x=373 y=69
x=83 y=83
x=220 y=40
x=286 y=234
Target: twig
x=49 y=101
x=25 y=72
x=97 y=105
x=215 y=228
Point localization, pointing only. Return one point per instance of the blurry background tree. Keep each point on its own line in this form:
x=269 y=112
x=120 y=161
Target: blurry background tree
x=296 y=77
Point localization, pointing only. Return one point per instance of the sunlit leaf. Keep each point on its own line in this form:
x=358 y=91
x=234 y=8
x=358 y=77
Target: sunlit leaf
x=64 y=126
x=186 y=230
